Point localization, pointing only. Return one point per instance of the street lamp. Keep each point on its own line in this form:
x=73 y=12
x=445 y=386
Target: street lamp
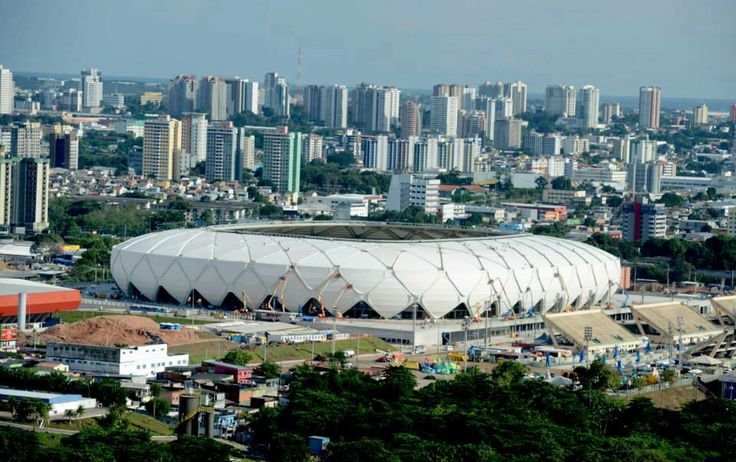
x=587 y=336
x=466 y=324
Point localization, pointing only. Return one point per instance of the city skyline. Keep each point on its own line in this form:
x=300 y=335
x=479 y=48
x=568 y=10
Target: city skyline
x=391 y=46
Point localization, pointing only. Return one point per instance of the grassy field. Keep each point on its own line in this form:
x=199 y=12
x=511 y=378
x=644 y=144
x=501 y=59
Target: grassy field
x=49 y=439
x=136 y=420
x=670 y=398
x=145 y=422
x=74 y=316
x=217 y=347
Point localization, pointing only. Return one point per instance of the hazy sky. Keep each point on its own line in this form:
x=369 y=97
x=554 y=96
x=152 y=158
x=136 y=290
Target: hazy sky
x=687 y=47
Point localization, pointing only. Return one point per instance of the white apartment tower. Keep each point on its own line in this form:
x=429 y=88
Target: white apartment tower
x=560 y=100
x=517 y=92
x=649 y=101
x=588 y=103
x=162 y=148
x=7 y=91
x=91 y=88
x=183 y=94
x=334 y=106
x=276 y=94
x=194 y=136
x=700 y=115
x=221 y=162
x=443 y=115
x=212 y=97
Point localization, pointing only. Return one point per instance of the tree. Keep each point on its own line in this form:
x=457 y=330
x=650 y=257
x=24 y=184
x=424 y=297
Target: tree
x=158 y=407
x=670 y=199
x=508 y=372
x=598 y=376
x=268 y=369
x=238 y=357
x=561 y=183
x=556 y=229
x=614 y=201
x=541 y=182
x=187 y=447
x=156 y=389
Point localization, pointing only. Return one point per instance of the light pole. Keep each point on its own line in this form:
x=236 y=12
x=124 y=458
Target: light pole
x=587 y=336
x=465 y=346
x=334 y=329
x=680 y=323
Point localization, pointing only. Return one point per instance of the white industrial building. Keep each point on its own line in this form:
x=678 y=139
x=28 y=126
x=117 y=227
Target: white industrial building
x=59 y=404
x=143 y=360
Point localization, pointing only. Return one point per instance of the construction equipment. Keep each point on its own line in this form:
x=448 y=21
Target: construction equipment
x=282 y=282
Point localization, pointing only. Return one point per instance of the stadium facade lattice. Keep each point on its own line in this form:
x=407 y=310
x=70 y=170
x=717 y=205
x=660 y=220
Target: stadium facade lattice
x=366 y=269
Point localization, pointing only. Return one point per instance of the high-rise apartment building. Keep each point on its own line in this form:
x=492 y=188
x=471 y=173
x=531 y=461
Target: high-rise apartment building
x=643 y=151
x=183 y=94
x=611 y=110
x=327 y=105
x=490 y=118
x=374 y=108
x=64 y=150
x=312 y=147
x=649 y=106
x=313 y=103
x=7 y=91
x=162 y=148
x=620 y=149
x=700 y=115
x=91 y=87
x=443 y=115
x=732 y=113
x=235 y=97
x=248 y=147
x=517 y=91
x=411 y=119
x=413 y=190
x=282 y=159
x=642 y=220
x=587 y=107
x=276 y=94
x=194 y=137
x=212 y=98
x=560 y=100
x=24 y=193
x=24 y=139
x=375 y=152
x=507 y=134
x=492 y=89
x=222 y=152
x=72 y=100
x=504 y=108
x=472 y=124
x=242 y=96
x=400 y=154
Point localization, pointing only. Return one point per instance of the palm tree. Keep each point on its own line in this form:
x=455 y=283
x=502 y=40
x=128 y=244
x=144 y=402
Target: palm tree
x=70 y=413
x=80 y=411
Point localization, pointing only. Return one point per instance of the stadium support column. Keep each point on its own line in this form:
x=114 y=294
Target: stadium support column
x=22 y=311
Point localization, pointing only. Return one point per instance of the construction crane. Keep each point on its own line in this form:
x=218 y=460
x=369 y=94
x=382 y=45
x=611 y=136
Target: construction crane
x=323 y=287
x=282 y=282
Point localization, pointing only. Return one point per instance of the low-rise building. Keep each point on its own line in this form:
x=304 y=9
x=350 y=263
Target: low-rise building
x=145 y=360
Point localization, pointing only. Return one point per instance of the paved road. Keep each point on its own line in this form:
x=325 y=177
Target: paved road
x=59 y=431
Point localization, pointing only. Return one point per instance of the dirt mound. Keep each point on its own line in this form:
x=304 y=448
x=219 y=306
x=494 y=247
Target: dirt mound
x=117 y=330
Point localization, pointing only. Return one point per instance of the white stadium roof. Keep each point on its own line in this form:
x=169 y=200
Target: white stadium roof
x=388 y=267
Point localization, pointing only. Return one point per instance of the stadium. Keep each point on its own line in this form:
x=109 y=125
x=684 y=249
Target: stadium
x=365 y=270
